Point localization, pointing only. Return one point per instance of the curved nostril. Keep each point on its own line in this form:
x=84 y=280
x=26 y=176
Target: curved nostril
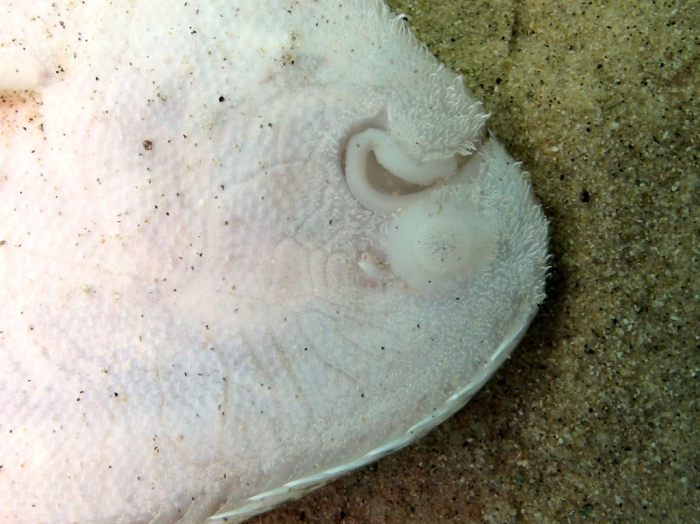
x=396 y=161
x=385 y=182
x=413 y=177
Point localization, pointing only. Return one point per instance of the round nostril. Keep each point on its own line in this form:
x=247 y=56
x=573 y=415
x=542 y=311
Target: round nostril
x=431 y=244
x=454 y=241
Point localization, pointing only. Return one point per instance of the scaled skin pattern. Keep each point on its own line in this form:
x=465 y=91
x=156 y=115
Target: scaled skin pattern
x=245 y=247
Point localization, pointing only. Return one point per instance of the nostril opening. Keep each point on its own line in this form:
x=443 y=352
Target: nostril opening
x=383 y=181
x=383 y=177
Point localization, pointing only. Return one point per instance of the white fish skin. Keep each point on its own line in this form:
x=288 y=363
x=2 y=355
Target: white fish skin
x=198 y=316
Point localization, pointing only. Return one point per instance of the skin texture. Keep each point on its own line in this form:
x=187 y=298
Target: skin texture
x=203 y=318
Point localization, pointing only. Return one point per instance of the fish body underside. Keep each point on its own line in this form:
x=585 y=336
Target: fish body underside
x=198 y=315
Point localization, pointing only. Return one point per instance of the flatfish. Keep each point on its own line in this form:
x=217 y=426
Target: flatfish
x=245 y=247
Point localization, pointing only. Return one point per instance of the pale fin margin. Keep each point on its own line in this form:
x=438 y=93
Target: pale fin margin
x=298 y=488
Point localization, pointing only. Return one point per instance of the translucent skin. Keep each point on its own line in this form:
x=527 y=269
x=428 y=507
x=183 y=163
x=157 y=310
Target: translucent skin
x=194 y=309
